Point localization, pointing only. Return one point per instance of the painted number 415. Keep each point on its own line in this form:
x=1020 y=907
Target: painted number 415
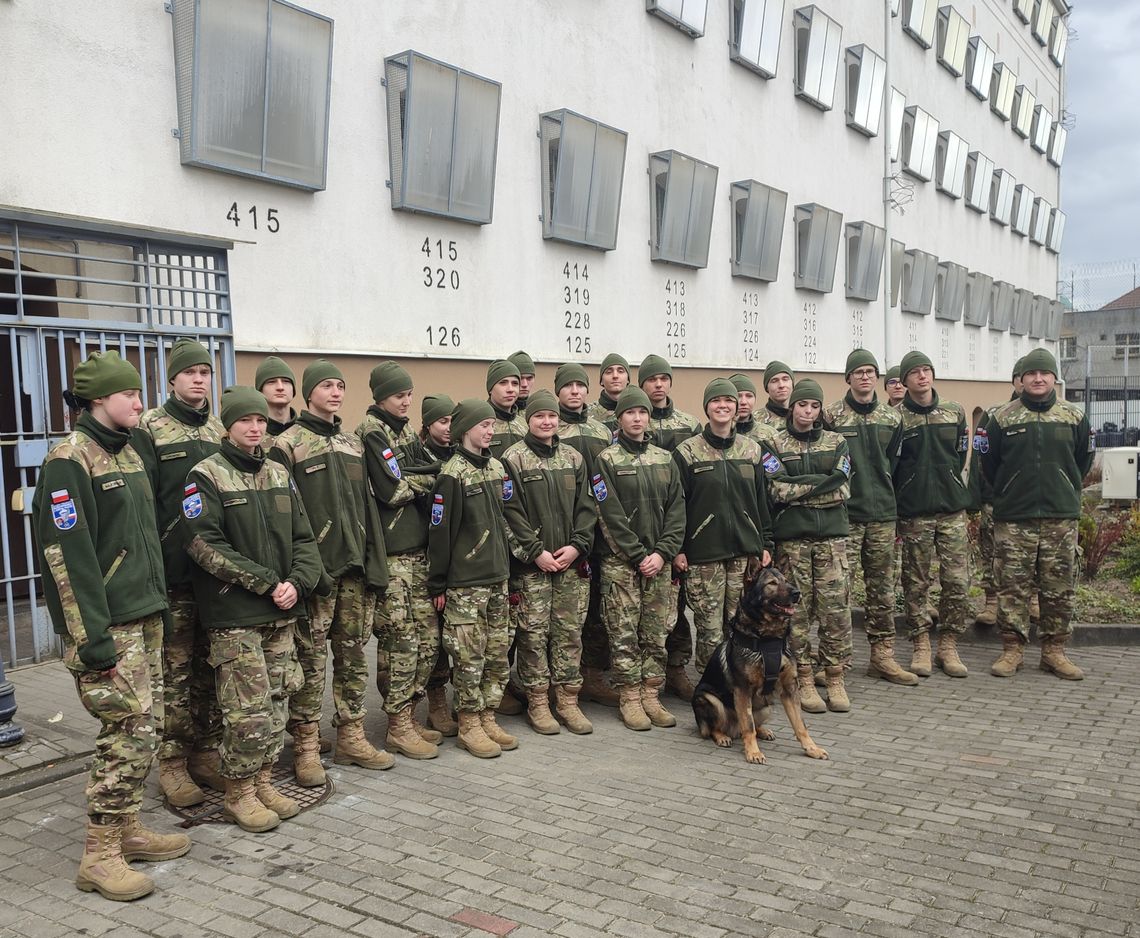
x=271 y=221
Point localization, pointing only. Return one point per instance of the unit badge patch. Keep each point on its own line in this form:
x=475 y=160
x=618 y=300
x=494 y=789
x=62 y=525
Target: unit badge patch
x=191 y=501
x=599 y=486
x=393 y=463
x=437 y=510
x=63 y=512
x=771 y=463
x=845 y=465
x=981 y=440
x=508 y=489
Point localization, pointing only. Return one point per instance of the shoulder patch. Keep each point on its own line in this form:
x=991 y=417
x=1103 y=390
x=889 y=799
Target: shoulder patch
x=963 y=442
x=437 y=510
x=598 y=484
x=393 y=463
x=508 y=489
x=63 y=512
x=191 y=501
x=1092 y=441
x=771 y=463
x=981 y=440
x=845 y=465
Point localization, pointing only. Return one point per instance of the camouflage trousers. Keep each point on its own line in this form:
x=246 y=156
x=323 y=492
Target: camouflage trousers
x=476 y=634
x=1036 y=556
x=986 y=548
x=595 y=641
x=714 y=591
x=819 y=570
x=256 y=670
x=636 y=611
x=679 y=641
x=339 y=619
x=407 y=630
x=127 y=701
x=871 y=548
x=192 y=719
x=441 y=672
x=549 y=637
x=924 y=537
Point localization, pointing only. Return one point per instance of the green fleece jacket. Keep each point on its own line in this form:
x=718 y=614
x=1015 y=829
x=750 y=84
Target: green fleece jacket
x=809 y=483
x=868 y=430
x=640 y=501
x=928 y=455
x=248 y=533
x=1036 y=454
x=509 y=428
x=669 y=426
x=726 y=498
x=93 y=516
x=327 y=466
x=171 y=440
x=581 y=431
x=602 y=410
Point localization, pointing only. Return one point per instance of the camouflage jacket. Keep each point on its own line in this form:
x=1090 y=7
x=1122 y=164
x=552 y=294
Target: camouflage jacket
x=640 y=502
x=602 y=410
x=928 y=458
x=809 y=483
x=669 y=426
x=583 y=433
x=468 y=538
x=1036 y=454
x=327 y=466
x=441 y=453
x=726 y=498
x=275 y=428
x=93 y=515
x=762 y=433
x=509 y=429
x=869 y=430
x=402 y=473
x=773 y=415
x=171 y=440
x=981 y=492
x=248 y=532
x=548 y=504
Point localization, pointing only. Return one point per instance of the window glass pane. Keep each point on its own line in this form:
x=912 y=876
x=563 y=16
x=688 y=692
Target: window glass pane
x=605 y=190
x=758 y=220
x=674 y=191
x=757 y=26
x=429 y=134
x=476 y=134
x=298 y=94
x=230 y=96
x=700 y=215
x=572 y=187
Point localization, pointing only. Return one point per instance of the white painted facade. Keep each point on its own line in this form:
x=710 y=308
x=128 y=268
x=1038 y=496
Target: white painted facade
x=88 y=102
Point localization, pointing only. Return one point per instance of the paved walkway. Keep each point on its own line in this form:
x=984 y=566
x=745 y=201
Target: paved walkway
x=959 y=808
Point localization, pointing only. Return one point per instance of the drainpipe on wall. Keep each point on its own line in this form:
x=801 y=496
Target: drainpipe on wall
x=887 y=272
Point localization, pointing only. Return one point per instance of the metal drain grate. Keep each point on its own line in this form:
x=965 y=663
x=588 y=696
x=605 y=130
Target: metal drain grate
x=210 y=810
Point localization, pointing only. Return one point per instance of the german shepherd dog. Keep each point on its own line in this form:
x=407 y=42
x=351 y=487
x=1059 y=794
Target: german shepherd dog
x=751 y=662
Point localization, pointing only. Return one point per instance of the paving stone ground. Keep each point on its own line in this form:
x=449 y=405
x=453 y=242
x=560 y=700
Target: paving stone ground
x=975 y=807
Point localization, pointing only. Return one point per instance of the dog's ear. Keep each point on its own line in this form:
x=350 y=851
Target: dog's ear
x=751 y=571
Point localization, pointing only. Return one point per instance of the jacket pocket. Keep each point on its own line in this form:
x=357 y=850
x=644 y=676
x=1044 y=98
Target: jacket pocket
x=1009 y=482
x=478 y=545
x=115 y=564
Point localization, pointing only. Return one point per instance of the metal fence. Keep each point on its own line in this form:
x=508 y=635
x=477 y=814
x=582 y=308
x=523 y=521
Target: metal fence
x=1109 y=391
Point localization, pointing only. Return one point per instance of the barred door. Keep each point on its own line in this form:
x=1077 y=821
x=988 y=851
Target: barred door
x=66 y=292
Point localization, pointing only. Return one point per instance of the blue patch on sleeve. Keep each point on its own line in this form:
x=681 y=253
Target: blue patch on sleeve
x=771 y=463
x=508 y=490
x=437 y=510
x=192 y=505
x=963 y=442
x=598 y=484
x=64 y=514
x=845 y=465
x=981 y=440
x=393 y=463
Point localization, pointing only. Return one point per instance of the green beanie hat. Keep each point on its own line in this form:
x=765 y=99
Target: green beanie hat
x=859 y=358
x=892 y=372
x=501 y=368
x=613 y=359
x=187 y=353
x=632 y=397
x=239 y=401
x=435 y=407
x=912 y=360
x=1040 y=359
x=1018 y=368
x=387 y=379
x=653 y=365
x=571 y=371
x=273 y=367
x=777 y=368
x=540 y=400
x=320 y=370
x=468 y=414
x=104 y=373
x=806 y=390
x=523 y=362
x=720 y=387
x=742 y=382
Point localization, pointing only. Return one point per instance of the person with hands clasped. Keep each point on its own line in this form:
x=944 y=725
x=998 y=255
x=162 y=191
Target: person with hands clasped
x=94 y=521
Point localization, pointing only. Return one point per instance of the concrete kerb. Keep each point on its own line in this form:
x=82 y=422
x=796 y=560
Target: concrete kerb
x=1085 y=635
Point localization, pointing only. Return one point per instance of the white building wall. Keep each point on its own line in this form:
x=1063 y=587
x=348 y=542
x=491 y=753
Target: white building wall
x=87 y=104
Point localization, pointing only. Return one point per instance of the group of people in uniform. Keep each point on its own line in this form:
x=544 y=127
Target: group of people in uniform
x=200 y=569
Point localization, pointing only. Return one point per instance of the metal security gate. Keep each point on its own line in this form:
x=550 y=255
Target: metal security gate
x=66 y=290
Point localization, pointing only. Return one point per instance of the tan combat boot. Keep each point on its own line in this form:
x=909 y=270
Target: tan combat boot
x=883 y=664
x=677 y=680
x=1034 y=607
x=820 y=677
x=281 y=805
x=496 y=733
x=138 y=843
x=630 y=707
x=403 y=738
x=920 y=659
x=1053 y=659
x=103 y=868
x=439 y=714
x=988 y=616
x=567 y=707
x=651 y=702
x=473 y=738
x=595 y=687
x=243 y=808
x=512 y=703
x=538 y=713
x=947 y=658
x=353 y=748
x=1012 y=656
x=177 y=785
x=306 y=756
x=205 y=767
x=810 y=701
x=837 y=699
x=428 y=736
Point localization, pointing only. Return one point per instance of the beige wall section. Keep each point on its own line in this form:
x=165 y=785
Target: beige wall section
x=460 y=379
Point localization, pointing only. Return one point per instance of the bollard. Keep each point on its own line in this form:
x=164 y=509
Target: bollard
x=10 y=733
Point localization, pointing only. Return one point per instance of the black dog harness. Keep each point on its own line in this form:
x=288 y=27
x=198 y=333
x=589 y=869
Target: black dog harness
x=770 y=648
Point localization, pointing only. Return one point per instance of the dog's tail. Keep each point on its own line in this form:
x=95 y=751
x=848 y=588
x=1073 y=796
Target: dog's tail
x=716 y=716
